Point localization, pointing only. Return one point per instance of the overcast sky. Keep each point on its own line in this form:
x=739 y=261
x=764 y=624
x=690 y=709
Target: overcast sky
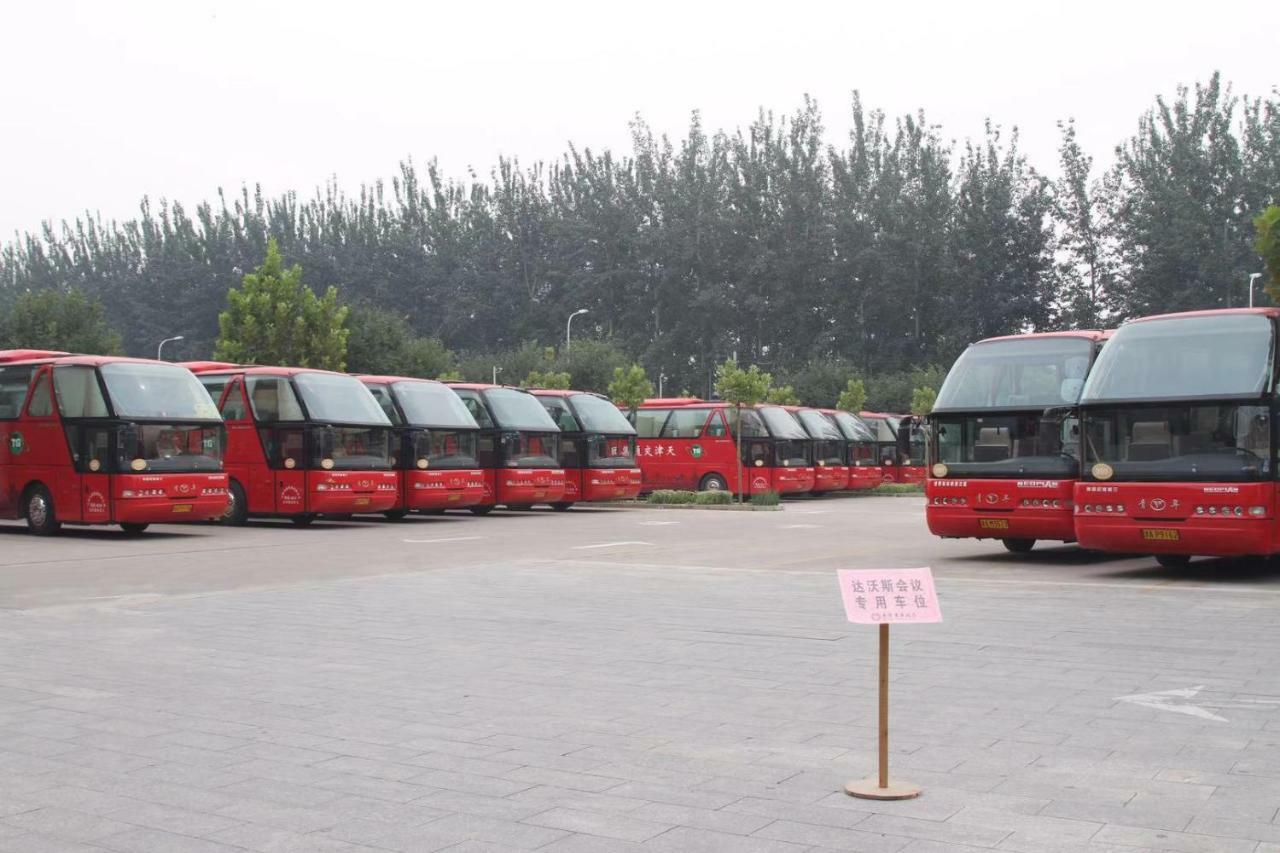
x=107 y=102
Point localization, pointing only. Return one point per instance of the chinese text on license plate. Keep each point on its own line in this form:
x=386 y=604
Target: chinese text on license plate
x=993 y=523
x=1159 y=534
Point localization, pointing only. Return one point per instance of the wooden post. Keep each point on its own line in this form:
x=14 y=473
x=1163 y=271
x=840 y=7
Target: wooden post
x=879 y=788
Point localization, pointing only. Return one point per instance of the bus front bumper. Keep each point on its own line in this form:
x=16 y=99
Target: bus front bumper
x=1000 y=508
x=864 y=477
x=830 y=478
x=518 y=486
x=160 y=498
x=608 y=484
x=442 y=489
x=347 y=492
x=790 y=481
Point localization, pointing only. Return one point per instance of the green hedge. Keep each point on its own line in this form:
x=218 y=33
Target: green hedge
x=672 y=496
x=766 y=499
x=713 y=498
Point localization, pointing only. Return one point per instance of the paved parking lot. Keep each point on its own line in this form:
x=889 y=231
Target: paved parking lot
x=623 y=680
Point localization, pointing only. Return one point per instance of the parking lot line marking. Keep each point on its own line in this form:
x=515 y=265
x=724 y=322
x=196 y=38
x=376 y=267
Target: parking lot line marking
x=608 y=545
x=448 y=539
x=657 y=523
x=800 y=526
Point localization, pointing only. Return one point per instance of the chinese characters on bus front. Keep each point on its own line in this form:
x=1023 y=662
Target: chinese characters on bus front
x=887 y=596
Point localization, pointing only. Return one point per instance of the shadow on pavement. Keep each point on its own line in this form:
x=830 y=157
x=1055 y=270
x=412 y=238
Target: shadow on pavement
x=99 y=532
x=1227 y=570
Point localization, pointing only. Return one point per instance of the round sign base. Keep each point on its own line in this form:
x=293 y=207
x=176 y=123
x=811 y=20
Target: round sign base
x=869 y=789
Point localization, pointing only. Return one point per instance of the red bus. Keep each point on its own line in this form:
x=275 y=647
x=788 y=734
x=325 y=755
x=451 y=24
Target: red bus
x=518 y=447
x=433 y=445
x=830 y=454
x=597 y=447
x=1178 y=418
x=104 y=440
x=688 y=443
x=861 y=449
x=1004 y=439
x=301 y=443
x=901 y=445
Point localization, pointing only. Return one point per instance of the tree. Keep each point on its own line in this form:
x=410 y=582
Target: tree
x=922 y=400
x=630 y=387
x=1080 y=209
x=547 y=379
x=783 y=395
x=273 y=318
x=382 y=341
x=1268 y=247
x=54 y=320
x=854 y=396
x=741 y=388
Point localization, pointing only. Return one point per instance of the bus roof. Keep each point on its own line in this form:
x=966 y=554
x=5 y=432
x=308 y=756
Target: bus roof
x=667 y=402
x=209 y=367
x=1212 y=312
x=1091 y=334
x=879 y=415
x=367 y=377
x=11 y=355
x=481 y=386
x=62 y=358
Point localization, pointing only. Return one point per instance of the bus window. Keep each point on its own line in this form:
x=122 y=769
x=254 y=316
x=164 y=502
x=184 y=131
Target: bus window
x=273 y=399
x=382 y=394
x=41 y=405
x=717 y=428
x=559 y=411
x=648 y=422
x=684 y=423
x=79 y=395
x=233 y=407
x=14 y=382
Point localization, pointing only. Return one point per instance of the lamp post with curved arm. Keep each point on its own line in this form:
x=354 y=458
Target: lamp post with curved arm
x=568 y=326
x=160 y=348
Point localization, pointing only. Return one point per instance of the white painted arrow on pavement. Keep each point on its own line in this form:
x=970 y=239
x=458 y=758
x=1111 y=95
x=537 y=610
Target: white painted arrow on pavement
x=1166 y=700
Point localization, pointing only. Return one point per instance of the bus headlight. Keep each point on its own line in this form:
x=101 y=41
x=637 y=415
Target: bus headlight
x=326 y=464
x=94 y=464
x=939 y=470
x=1102 y=471
x=422 y=463
x=1257 y=511
x=138 y=464
x=290 y=463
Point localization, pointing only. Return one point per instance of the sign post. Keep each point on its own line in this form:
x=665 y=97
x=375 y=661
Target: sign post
x=883 y=597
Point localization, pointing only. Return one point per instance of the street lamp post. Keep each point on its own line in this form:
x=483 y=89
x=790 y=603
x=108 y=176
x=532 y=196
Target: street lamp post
x=568 y=326
x=1252 y=278
x=160 y=348
x=496 y=371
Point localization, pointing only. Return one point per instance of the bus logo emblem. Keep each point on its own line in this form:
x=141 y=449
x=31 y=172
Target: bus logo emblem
x=1157 y=504
x=16 y=443
x=696 y=451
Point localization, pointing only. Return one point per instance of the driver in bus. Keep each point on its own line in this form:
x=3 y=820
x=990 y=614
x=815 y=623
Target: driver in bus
x=169 y=444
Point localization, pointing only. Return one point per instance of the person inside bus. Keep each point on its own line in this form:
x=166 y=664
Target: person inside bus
x=169 y=444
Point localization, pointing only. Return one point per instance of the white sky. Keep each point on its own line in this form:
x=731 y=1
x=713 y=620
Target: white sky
x=107 y=101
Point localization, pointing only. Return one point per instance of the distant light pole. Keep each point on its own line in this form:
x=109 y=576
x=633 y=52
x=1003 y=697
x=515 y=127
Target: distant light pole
x=568 y=326
x=496 y=371
x=160 y=348
x=662 y=377
x=1252 y=278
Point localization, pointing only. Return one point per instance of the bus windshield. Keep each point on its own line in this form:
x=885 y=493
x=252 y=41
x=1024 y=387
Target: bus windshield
x=854 y=428
x=142 y=391
x=598 y=415
x=1215 y=441
x=818 y=425
x=432 y=404
x=1183 y=358
x=781 y=424
x=1017 y=373
x=1009 y=445
x=334 y=398
x=514 y=409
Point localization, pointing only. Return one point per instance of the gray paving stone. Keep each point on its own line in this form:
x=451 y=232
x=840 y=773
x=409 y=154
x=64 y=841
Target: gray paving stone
x=65 y=824
x=616 y=826
x=157 y=841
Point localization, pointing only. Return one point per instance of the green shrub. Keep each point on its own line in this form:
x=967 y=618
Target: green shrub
x=766 y=499
x=672 y=496
x=713 y=498
x=898 y=489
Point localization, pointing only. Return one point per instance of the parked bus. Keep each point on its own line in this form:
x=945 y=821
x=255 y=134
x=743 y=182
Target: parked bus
x=433 y=447
x=861 y=449
x=518 y=447
x=688 y=443
x=901 y=446
x=301 y=443
x=1004 y=439
x=1179 y=456
x=828 y=448
x=597 y=447
x=104 y=440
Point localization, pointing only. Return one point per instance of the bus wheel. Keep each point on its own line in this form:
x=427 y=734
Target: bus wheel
x=1173 y=561
x=713 y=483
x=237 y=507
x=41 y=518
x=1018 y=546
x=302 y=520
x=481 y=510
x=397 y=514
x=133 y=528
x=519 y=507
x=561 y=506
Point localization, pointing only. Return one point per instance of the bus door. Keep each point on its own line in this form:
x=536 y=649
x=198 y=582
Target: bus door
x=15 y=382
x=79 y=398
x=282 y=484
x=677 y=456
x=42 y=448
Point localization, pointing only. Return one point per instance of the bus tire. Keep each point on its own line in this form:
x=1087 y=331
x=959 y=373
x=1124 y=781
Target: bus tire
x=1173 y=561
x=237 y=506
x=1018 y=546
x=481 y=510
x=519 y=507
x=37 y=507
x=133 y=528
x=303 y=520
x=396 y=514
x=713 y=483
x=561 y=506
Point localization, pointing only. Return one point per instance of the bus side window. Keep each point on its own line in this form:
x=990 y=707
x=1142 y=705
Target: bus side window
x=41 y=405
x=684 y=423
x=233 y=405
x=486 y=450
x=14 y=383
x=717 y=428
x=648 y=422
x=79 y=395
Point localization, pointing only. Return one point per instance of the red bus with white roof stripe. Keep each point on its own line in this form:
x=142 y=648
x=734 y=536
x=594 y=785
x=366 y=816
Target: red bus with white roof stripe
x=105 y=440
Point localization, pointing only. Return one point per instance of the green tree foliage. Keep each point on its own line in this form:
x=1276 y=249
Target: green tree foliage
x=821 y=381
x=922 y=400
x=893 y=391
x=854 y=396
x=1268 y=247
x=273 y=318
x=54 y=320
x=380 y=341
x=741 y=388
x=783 y=395
x=548 y=379
x=630 y=386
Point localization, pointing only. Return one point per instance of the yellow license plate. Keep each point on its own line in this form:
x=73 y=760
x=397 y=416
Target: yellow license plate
x=182 y=507
x=362 y=501
x=454 y=497
x=539 y=494
x=993 y=523
x=1159 y=534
